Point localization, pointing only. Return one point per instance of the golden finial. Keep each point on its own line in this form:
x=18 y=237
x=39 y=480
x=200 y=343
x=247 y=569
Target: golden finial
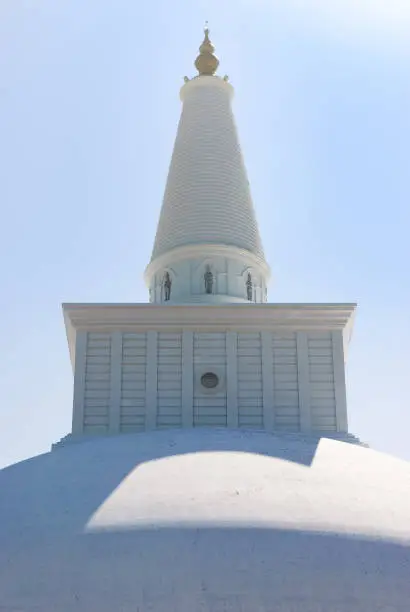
x=206 y=63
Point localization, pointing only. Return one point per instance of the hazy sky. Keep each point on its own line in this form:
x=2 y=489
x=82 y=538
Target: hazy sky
x=89 y=104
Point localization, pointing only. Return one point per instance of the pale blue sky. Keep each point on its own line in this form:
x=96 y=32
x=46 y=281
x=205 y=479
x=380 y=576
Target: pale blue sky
x=88 y=112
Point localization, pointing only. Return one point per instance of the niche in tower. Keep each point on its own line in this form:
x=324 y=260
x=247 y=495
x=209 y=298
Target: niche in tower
x=205 y=278
x=250 y=284
x=209 y=280
x=249 y=287
x=167 y=285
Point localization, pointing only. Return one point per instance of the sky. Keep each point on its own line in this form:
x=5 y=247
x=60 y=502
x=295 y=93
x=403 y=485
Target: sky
x=89 y=105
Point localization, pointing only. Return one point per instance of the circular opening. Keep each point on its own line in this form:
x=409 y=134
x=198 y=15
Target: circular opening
x=209 y=380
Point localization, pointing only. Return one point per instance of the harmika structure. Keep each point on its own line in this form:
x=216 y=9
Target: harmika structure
x=208 y=350
x=253 y=497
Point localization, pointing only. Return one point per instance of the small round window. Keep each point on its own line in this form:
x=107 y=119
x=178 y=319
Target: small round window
x=209 y=380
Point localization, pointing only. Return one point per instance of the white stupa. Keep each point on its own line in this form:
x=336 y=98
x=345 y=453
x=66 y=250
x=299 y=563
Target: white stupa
x=210 y=466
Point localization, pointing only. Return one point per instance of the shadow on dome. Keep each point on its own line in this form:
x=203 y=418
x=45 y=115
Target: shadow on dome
x=236 y=562
x=215 y=570
x=65 y=488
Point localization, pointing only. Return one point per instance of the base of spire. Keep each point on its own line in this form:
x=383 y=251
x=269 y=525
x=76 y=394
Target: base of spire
x=208 y=274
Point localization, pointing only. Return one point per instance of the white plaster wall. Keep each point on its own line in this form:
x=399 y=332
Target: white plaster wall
x=210 y=405
x=97 y=388
x=169 y=407
x=133 y=382
x=250 y=383
x=285 y=381
x=321 y=382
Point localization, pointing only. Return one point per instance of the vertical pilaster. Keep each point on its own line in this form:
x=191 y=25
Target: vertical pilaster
x=187 y=378
x=230 y=278
x=303 y=381
x=115 y=380
x=232 y=417
x=79 y=382
x=267 y=381
x=151 y=383
x=339 y=381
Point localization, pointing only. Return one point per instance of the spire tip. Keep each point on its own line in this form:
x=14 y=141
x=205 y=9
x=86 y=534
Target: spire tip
x=206 y=63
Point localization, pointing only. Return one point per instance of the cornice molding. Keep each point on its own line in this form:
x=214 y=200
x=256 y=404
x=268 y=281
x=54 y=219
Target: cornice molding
x=332 y=316
x=208 y=317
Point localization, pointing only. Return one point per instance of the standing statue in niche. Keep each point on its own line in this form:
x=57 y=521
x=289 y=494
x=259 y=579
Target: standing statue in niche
x=167 y=286
x=209 y=280
x=249 y=288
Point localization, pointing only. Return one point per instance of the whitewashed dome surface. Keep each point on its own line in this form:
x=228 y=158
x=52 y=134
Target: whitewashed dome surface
x=206 y=520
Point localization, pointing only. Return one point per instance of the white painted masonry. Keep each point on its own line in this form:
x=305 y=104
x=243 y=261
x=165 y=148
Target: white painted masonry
x=186 y=267
x=187 y=378
x=303 y=388
x=232 y=417
x=115 y=382
x=133 y=377
x=255 y=497
x=206 y=166
x=280 y=367
x=79 y=350
x=207 y=218
x=206 y=519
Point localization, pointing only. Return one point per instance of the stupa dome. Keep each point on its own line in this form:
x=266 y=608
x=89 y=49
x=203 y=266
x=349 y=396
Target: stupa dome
x=211 y=520
x=262 y=501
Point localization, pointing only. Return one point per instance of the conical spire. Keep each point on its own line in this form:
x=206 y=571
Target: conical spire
x=207 y=226
x=206 y=63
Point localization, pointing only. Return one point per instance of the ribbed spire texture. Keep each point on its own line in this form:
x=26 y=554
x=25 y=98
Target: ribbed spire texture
x=207 y=198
